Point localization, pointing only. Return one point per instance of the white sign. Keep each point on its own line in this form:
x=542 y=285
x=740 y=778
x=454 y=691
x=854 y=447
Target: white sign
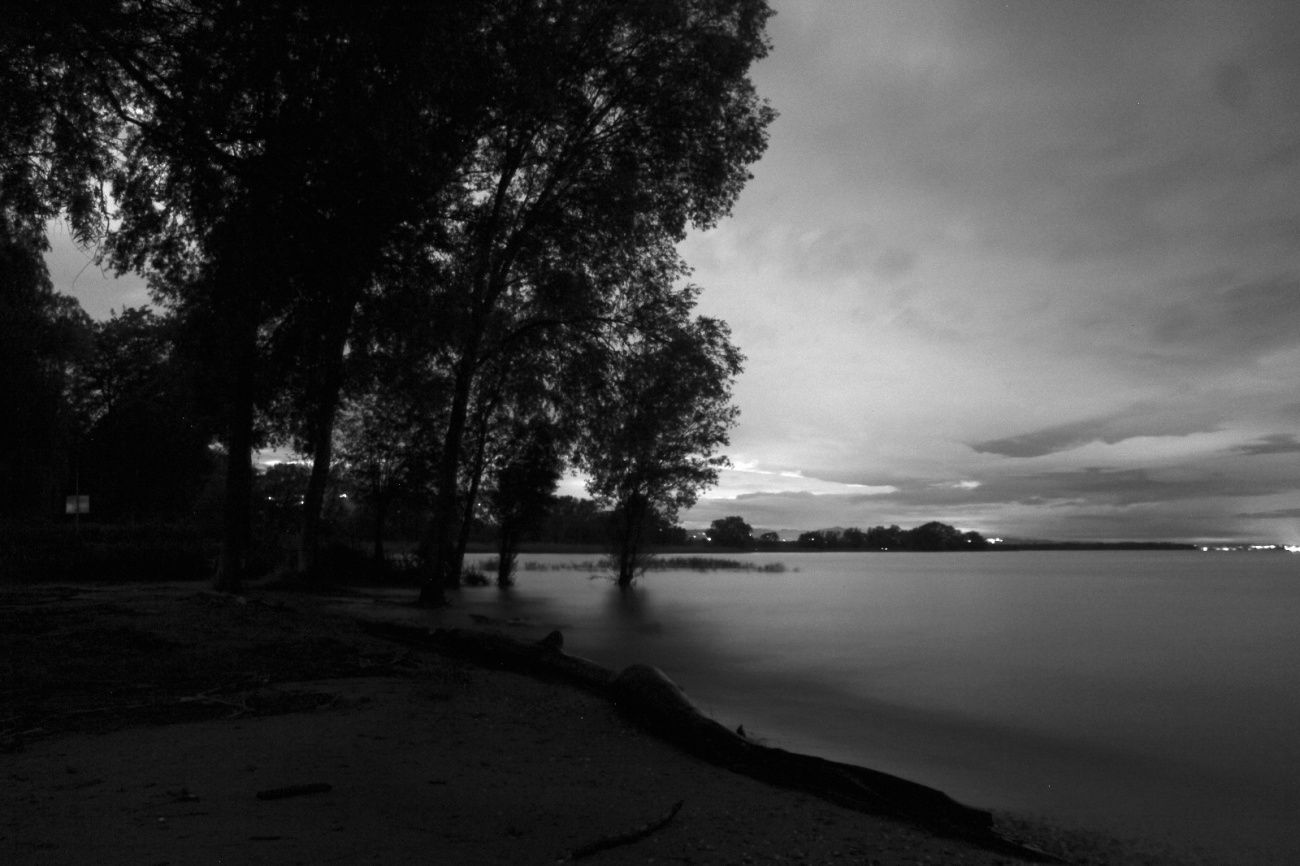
x=77 y=505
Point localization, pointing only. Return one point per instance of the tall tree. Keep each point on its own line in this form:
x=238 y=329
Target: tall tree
x=42 y=334
x=522 y=491
x=264 y=154
x=143 y=448
x=653 y=437
x=621 y=125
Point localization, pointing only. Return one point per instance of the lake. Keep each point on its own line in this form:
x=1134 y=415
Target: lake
x=1145 y=693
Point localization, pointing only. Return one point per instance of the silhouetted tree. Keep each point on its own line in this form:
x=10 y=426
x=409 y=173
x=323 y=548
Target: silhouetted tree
x=42 y=333
x=521 y=493
x=853 y=538
x=731 y=532
x=621 y=125
x=262 y=156
x=882 y=538
x=933 y=536
x=143 y=448
x=653 y=435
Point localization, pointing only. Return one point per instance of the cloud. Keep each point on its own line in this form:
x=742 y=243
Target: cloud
x=1277 y=443
x=1240 y=323
x=1279 y=514
x=1110 y=429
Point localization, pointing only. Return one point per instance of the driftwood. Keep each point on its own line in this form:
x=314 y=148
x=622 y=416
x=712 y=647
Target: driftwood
x=604 y=843
x=653 y=701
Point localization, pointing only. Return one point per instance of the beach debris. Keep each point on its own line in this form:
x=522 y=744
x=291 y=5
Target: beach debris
x=295 y=791
x=604 y=843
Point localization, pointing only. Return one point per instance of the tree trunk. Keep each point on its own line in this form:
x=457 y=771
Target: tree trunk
x=507 y=552
x=629 y=542
x=440 y=545
x=324 y=411
x=380 y=507
x=236 y=529
x=467 y=519
x=466 y=525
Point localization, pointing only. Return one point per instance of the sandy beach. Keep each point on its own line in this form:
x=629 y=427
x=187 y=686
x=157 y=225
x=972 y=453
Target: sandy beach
x=142 y=722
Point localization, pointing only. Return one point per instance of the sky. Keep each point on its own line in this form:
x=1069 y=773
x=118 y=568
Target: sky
x=1027 y=268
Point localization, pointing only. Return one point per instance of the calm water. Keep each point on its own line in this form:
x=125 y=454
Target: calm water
x=1148 y=693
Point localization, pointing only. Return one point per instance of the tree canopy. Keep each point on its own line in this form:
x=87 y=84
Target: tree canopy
x=485 y=194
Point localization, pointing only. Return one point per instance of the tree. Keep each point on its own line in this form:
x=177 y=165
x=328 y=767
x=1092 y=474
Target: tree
x=621 y=124
x=42 y=334
x=383 y=454
x=934 y=536
x=654 y=432
x=143 y=448
x=818 y=539
x=261 y=156
x=731 y=532
x=882 y=538
x=522 y=493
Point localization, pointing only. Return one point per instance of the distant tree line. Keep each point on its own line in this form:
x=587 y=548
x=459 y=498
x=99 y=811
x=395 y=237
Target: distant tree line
x=932 y=536
x=429 y=246
x=734 y=532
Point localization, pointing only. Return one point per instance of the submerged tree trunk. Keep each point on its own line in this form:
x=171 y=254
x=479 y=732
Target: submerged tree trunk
x=629 y=554
x=507 y=553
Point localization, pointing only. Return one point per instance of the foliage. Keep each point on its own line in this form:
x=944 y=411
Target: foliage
x=143 y=450
x=655 y=431
x=289 y=174
x=932 y=536
x=522 y=492
x=731 y=532
x=622 y=125
x=42 y=333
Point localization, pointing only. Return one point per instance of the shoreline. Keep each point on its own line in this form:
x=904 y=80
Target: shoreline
x=570 y=762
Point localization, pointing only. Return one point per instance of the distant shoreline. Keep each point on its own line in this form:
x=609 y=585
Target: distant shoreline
x=793 y=547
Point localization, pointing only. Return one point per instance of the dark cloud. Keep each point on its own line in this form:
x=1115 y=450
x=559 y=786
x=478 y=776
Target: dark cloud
x=1110 y=429
x=1239 y=323
x=1277 y=443
x=1091 y=487
x=1279 y=514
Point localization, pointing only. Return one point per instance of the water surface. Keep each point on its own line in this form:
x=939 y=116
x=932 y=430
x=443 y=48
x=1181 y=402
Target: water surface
x=1150 y=693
